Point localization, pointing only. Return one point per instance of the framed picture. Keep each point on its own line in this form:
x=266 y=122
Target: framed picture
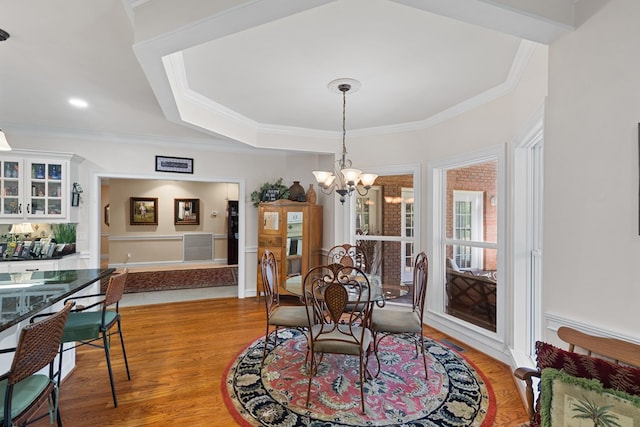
x=186 y=211
x=18 y=249
x=51 y=249
x=143 y=211
x=174 y=164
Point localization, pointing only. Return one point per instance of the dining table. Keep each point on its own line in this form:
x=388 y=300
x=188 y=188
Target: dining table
x=294 y=285
x=381 y=293
x=26 y=294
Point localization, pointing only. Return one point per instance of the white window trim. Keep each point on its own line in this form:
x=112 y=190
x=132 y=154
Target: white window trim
x=486 y=341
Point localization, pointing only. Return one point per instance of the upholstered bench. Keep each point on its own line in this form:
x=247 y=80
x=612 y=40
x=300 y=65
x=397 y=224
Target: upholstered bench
x=596 y=373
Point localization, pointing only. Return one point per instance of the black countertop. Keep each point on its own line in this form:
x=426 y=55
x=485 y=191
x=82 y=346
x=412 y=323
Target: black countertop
x=23 y=295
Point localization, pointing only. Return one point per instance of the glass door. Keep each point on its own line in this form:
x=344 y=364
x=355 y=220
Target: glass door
x=46 y=189
x=10 y=189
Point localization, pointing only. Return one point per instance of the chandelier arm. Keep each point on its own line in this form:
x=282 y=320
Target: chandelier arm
x=327 y=190
x=366 y=190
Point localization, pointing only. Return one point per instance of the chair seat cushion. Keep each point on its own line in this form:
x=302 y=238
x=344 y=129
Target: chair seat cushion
x=24 y=393
x=395 y=321
x=289 y=316
x=86 y=325
x=340 y=341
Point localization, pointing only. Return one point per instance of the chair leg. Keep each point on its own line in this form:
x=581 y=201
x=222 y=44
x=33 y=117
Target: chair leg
x=124 y=352
x=362 y=368
x=266 y=342
x=55 y=393
x=264 y=348
x=424 y=357
x=56 y=404
x=311 y=369
x=59 y=373
x=376 y=344
x=108 y=357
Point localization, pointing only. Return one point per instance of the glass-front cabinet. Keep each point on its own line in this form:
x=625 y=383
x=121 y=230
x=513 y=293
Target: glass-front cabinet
x=10 y=188
x=35 y=187
x=293 y=232
x=46 y=180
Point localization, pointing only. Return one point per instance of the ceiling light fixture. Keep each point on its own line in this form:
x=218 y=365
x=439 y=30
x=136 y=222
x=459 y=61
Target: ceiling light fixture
x=344 y=179
x=78 y=103
x=4 y=144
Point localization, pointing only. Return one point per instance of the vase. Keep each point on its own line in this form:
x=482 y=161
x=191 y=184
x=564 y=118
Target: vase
x=311 y=195
x=296 y=192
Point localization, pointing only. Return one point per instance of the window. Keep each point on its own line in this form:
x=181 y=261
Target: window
x=468 y=214
x=384 y=224
x=465 y=241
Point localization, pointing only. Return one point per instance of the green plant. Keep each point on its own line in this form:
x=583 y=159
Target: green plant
x=258 y=195
x=64 y=233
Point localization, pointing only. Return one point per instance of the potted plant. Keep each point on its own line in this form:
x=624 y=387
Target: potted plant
x=65 y=233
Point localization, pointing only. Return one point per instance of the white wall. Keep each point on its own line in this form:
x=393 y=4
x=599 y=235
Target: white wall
x=591 y=242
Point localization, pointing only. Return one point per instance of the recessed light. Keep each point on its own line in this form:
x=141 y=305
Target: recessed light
x=78 y=103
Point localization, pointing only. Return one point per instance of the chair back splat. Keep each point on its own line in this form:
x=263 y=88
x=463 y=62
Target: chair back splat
x=350 y=256
x=23 y=390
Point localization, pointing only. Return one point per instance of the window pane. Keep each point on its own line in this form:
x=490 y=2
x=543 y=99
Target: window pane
x=471 y=292
x=387 y=210
x=387 y=205
x=471 y=210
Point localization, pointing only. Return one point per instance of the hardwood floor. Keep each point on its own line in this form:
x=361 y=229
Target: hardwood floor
x=178 y=353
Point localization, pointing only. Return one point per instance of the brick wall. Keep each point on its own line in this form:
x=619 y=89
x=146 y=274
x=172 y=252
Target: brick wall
x=391 y=220
x=479 y=177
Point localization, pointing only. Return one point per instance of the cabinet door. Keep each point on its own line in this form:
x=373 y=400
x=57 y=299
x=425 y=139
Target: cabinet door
x=47 y=183
x=11 y=189
x=270 y=220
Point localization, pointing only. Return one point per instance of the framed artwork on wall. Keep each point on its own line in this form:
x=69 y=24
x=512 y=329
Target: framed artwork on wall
x=143 y=211
x=174 y=164
x=186 y=211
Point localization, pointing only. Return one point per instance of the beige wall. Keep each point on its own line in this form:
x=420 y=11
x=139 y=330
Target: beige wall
x=162 y=242
x=591 y=172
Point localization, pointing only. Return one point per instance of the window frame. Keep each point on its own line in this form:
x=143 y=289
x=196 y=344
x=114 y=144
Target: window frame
x=488 y=341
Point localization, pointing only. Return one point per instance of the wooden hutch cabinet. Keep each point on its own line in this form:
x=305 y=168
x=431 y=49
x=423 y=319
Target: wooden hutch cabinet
x=293 y=232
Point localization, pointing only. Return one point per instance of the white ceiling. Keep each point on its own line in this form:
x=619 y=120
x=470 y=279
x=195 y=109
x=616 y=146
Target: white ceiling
x=231 y=70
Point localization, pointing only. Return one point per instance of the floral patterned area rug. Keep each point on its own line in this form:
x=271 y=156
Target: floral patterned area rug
x=456 y=394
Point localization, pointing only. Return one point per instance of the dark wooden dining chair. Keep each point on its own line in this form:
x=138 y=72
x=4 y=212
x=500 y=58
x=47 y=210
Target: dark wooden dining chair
x=340 y=298
x=277 y=315
x=386 y=322
x=23 y=390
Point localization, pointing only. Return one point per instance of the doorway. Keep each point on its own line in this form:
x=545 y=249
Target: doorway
x=161 y=246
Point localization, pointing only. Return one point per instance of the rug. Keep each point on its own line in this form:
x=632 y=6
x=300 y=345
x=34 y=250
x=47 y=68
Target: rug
x=162 y=280
x=456 y=394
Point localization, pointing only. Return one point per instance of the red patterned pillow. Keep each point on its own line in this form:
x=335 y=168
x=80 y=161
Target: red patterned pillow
x=622 y=378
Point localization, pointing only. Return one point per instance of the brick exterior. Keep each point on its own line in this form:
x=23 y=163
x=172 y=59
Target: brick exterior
x=392 y=187
x=480 y=177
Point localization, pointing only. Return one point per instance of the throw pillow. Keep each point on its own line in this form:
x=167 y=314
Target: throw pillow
x=621 y=378
x=611 y=375
x=569 y=400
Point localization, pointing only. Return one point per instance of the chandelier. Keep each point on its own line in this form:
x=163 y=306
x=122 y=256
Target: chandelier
x=344 y=179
